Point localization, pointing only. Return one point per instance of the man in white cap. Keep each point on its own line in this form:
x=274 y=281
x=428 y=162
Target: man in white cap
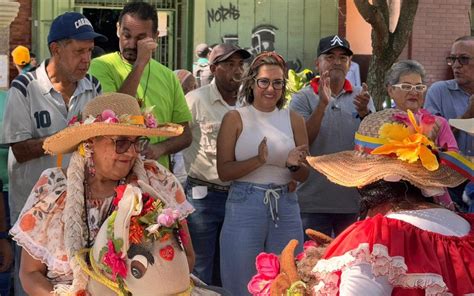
x=42 y=102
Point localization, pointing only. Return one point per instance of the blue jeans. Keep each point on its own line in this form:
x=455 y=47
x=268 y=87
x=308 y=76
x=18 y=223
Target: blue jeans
x=257 y=219
x=205 y=226
x=327 y=223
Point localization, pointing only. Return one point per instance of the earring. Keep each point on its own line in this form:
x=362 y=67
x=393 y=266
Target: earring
x=88 y=153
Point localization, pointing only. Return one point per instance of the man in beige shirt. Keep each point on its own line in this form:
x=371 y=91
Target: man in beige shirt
x=206 y=192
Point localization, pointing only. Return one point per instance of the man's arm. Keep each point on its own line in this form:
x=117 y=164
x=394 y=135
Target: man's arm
x=314 y=120
x=171 y=145
x=470 y=109
x=145 y=48
x=28 y=149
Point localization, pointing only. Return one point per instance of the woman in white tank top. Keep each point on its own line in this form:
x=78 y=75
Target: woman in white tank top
x=260 y=148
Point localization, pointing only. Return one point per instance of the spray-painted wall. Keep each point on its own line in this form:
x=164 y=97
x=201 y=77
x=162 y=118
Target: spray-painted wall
x=290 y=27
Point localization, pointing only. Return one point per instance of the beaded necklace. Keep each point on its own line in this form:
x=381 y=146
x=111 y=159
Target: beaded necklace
x=88 y=196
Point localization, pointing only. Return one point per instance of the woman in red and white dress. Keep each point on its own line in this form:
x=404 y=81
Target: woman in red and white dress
x=407 y=245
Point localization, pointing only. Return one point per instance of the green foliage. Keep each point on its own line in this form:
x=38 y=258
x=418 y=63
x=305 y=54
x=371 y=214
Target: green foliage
x=296 y=81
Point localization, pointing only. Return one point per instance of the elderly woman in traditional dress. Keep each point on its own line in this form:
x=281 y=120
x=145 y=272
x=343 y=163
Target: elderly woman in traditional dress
x=65 y=211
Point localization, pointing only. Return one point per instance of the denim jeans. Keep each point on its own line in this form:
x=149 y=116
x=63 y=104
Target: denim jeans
x=258 y=218
x=205 y=226
x=327 y=223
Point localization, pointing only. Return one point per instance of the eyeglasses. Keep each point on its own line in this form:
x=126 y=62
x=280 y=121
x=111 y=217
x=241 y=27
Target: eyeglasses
x=463 y=60
x=264 y=83
x=122 y=145
x=409 y=87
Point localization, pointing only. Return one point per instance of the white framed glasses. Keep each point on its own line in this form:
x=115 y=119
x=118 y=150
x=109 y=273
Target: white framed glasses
x=409 y=87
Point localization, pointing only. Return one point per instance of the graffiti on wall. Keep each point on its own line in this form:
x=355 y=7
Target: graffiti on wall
x=222 y=14
x=262 y=39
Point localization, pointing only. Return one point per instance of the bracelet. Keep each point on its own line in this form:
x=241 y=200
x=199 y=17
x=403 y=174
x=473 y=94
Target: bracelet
x=293 y=168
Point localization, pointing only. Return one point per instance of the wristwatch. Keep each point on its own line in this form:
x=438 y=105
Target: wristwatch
x=293 y=168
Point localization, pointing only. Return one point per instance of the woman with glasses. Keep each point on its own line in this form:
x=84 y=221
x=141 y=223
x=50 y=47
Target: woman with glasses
x=261 y=148
x=65 y=211
x=405 y=86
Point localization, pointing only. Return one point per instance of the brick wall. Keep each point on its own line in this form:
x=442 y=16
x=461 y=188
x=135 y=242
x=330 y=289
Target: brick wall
x=20 y=31
x=437 y=24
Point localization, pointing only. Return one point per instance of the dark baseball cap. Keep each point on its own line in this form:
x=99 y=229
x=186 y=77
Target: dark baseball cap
x=222 y=52
x=328 y=43
x=73 y=25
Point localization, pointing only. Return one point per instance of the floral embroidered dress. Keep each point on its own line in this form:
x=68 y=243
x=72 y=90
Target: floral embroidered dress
x=410 y=260
x=40 y=227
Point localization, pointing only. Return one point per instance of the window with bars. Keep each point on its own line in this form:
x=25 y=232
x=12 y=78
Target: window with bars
x=104 y=14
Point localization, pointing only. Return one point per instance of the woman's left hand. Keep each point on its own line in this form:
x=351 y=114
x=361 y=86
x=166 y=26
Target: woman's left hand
x=297 y=156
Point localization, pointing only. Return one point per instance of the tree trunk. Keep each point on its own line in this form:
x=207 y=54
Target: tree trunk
x=386 y=46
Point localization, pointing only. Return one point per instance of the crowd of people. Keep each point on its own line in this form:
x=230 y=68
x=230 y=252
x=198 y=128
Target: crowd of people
x=227 y=169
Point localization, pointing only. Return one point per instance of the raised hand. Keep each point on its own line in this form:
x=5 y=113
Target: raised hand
x=324 y=88
x=362 y=100
x=263 y=151
x=145 y=49
x=297 y=155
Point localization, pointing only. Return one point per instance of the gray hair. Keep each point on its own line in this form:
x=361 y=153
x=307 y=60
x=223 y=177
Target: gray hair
x=401 y=68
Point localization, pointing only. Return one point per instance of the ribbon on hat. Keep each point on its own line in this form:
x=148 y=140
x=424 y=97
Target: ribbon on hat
x=452 y=159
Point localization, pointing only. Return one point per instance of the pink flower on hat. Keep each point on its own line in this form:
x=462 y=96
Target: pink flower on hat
x=268 y=268
x=109 y=116
x=150 y=121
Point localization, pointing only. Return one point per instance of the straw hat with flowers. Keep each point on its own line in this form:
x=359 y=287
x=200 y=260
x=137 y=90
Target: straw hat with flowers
x=393 y=145
x=111 y=114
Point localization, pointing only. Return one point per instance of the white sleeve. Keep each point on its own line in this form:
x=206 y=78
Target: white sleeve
x=359 y=280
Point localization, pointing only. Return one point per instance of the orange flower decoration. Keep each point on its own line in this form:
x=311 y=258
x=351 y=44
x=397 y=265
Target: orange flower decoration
x=136 y=231
x=408 y=145
x=27 y=222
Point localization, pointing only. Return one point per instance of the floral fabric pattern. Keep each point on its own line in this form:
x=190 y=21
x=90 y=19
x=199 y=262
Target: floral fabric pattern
x=40 y=227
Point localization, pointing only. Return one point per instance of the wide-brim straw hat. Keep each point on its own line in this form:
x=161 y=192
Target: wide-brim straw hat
x=67 y=140
x=358 y=168
x=466 y=125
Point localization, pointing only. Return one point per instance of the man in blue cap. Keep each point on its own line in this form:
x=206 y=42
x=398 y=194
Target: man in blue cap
x=42 y=102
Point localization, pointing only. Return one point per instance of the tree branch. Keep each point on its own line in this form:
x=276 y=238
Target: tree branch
x=404 y=27
x=375 y=17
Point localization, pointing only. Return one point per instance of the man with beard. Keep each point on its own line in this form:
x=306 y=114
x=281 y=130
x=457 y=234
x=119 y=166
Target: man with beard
x=204 y=190
x=133 y=71
x=333 y=109
x=455 y=98
x=42 y=102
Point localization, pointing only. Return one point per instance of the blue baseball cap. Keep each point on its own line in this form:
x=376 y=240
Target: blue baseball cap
x=73 y=25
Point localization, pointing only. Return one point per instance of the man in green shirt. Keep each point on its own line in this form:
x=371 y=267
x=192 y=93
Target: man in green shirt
x=133 y=71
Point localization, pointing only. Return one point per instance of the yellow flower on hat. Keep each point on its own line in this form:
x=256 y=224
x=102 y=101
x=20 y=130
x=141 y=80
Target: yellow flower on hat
x=409 y=145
